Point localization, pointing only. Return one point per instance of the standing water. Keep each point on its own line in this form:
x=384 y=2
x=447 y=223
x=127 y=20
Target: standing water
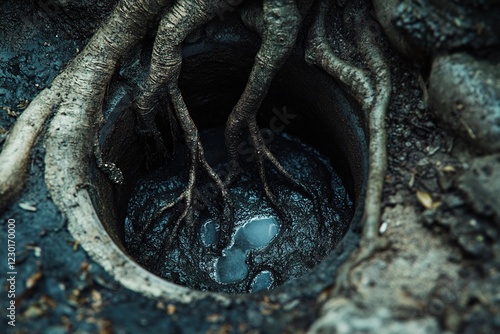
x=255 y=234
x=265 y=249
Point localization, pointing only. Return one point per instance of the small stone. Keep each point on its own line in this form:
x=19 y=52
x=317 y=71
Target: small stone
x=474 y=244
x=383 y=228
x=395 y=199
x=465 y=93
x=481 y=185
x=453 y=201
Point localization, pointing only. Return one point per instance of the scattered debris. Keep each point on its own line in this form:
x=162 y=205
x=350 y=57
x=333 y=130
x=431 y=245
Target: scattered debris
x=23 y=104
x=33 y=311
x=215 y=317
x=33 y=279
x=96 y=300
x=48 y=301
x=10 y=112
x=105 y=326
x=171 y=309
x=448 y=169
x=74 y=298
x=75 y=244
x=37 y=251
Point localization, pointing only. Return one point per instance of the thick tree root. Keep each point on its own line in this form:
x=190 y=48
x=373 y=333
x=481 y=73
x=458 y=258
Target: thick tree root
x=263 y=155
x=178 y=22
x=78 y=88
x=373 y=94
x=278 y=24
x=188 y=196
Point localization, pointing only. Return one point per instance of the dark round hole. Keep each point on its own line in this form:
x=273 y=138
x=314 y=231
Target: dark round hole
x=305 y=111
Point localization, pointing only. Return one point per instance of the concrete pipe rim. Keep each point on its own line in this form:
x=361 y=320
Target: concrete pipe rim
x=346 y=127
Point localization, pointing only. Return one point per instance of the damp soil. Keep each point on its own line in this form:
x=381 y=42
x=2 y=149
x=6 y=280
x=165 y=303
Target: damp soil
x=441 y=270
x=269 y=244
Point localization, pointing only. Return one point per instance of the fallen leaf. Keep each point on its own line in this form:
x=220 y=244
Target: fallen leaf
x=266 y=311
x=74 y=298
x=27 y=207
x=436 y=205
x=213 y=317
x=383 y=228
x=324 y=295
x=96 y=299
x=448 y=169
x=412 y=180
x=425 y=199
x=32 y=311
x=171 y=309
x=10 y=112
x=34 y=278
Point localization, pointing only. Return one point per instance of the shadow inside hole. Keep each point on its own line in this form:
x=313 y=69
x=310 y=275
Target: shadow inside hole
x=302 y=101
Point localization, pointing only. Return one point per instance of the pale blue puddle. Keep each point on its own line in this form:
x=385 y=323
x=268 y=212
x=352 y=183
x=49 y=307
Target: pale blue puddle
x=209 y=233
x=257 y=233
x=262 y=281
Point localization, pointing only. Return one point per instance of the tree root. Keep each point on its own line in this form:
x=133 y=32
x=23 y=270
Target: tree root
x=263 y=154
x=373 y=94
x=197 y=161
x=278 y=24
x=178 y=22
x=15 y=157
x=79 y=88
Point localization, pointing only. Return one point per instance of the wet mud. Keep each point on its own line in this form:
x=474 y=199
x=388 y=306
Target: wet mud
x=303 y=233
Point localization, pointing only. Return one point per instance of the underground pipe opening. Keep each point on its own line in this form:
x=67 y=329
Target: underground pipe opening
x=309 y=124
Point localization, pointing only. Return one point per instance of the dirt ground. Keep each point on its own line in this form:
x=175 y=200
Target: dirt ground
x=441 y=215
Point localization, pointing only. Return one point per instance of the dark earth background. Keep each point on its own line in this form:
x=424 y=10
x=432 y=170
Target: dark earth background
x=441 y=210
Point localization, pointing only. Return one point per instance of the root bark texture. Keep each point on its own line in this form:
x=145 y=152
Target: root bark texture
x=278 y=24
x=372 y=89
x=87 y=74
x=180 y=20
